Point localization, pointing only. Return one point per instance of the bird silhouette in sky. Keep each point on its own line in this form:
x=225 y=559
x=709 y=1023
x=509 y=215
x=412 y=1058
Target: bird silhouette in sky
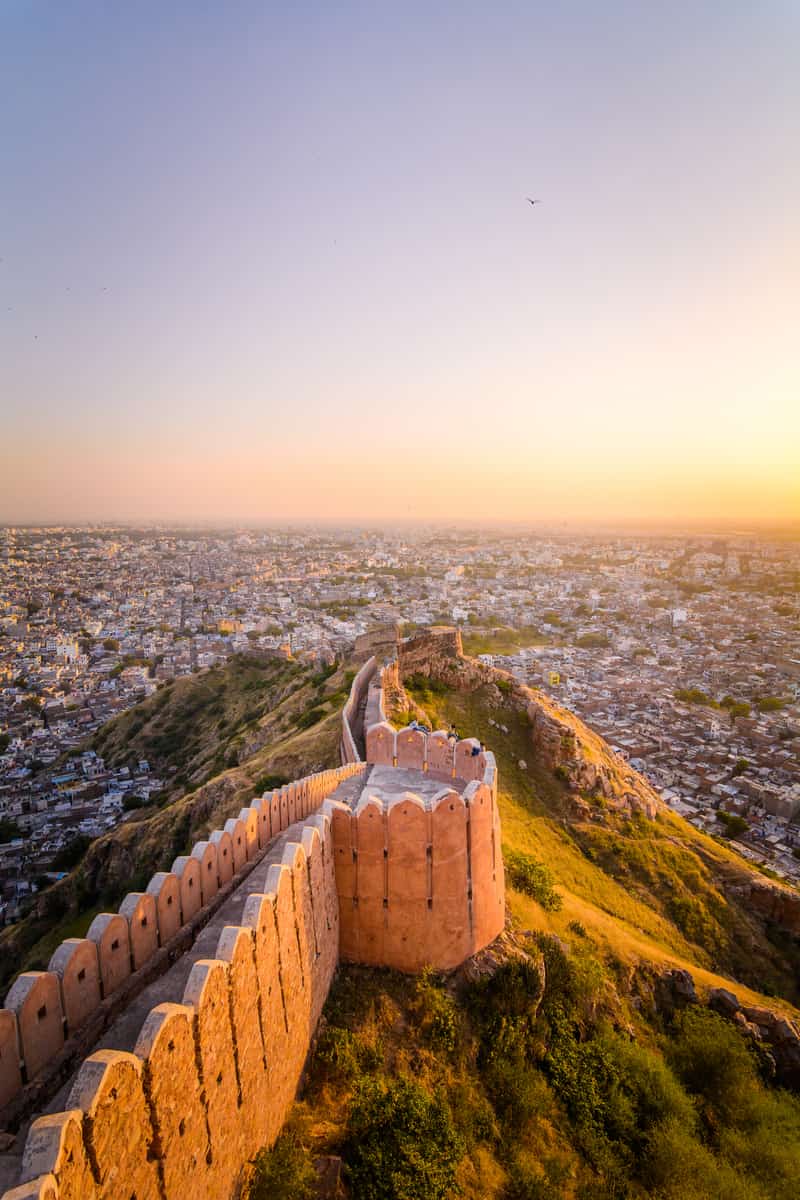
x=533 y=201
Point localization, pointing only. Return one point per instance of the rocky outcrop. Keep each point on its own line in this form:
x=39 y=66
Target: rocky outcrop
x=767 y=1028
x=381 y=642
x=561 y=742
x=772 y=902
x=674 y=990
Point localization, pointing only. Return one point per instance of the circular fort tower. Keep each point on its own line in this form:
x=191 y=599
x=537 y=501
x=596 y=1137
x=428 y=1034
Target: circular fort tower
x=416 y=838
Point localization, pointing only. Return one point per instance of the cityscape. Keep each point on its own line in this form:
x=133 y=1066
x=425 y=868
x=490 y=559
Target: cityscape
x=683 y=652
x=400 y=601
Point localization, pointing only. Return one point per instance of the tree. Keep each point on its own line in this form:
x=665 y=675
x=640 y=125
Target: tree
x=733 y=824
x=9 y=829
x=403 y=1144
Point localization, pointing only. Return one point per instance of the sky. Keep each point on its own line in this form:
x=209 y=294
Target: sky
x=266 y=262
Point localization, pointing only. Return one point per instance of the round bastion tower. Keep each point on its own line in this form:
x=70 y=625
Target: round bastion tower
x=416 y=838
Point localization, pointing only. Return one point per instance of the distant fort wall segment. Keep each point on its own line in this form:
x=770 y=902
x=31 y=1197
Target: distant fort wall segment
x=392 y=859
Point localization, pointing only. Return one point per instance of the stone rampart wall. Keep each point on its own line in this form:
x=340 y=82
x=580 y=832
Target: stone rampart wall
x=417 y=885
x=45 y=1008
x=358 y=689
x=421 y=885
x=211 y=1079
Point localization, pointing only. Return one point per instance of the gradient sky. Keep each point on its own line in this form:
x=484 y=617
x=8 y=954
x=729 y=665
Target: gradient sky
x=268 y=261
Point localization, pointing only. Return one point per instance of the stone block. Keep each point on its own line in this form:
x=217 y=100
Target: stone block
x=187 y=871
x=223 y=840
x=10 y=1057
x=172 y=1085
x=77 y=966
x=139 y=910
x=441 y=752
x=380 y=742
x=410 y=748
x=109 y=932
x=468 y=765
x=236 y=947
x=249 y=818
x=205 y=854
x=259 y=915
x=238 y=835
x=165 y=889
x=275 y=814
x=261 y=805
x=35 y=999
x=55 y=1146
x=118 y=1131
x=207 y=993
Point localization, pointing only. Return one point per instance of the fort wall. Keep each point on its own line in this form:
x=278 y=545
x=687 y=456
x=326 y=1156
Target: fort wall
x=45 y=1009
x=420 y=880
x=211 y=1078
x=401 y=868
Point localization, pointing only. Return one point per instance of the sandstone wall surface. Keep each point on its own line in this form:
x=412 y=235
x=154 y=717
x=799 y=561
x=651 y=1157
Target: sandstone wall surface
x=211 y=1078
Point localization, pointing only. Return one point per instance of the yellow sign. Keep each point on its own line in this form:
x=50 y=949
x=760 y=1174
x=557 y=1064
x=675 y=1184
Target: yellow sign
x=555 y=679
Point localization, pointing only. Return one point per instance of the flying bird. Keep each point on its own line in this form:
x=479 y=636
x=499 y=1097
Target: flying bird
x=533 y=201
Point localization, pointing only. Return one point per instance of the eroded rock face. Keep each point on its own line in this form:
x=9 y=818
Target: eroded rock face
x=561 y=742
x=772 y=1029
x=675 y=990
x=776 y=904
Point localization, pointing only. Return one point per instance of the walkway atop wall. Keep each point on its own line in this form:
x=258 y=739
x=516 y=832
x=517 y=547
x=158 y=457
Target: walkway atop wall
x=124 y=1031
x=389 y=784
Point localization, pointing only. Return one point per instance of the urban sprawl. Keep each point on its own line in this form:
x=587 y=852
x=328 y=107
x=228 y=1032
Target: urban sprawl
x=683 y=652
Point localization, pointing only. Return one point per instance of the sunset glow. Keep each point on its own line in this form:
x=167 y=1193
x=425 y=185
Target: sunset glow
x=287 y=269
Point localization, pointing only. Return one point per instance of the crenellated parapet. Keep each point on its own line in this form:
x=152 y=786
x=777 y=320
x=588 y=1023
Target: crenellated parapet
x=417 y=845
x=211 y=1077
x=47 y=1010
x=392 y=859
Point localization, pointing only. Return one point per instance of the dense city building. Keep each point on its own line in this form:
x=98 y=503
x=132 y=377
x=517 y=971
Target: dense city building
x=683 y=652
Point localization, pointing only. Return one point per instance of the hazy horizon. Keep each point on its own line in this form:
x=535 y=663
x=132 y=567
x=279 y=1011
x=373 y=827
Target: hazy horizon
x=262 y=266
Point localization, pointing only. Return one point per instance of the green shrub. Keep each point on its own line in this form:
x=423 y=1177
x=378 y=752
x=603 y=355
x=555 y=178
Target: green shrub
x=676 y=1166
x=343 y=1056
x=71 y=854
x=310 y=717
x=714 y=1062
x=437 y=1013
x=269 y=782
x=503 y=1009
x=518 y=1092
x=283 y=1173
x=533 y=878
x=731 y=823
x=402 y=1143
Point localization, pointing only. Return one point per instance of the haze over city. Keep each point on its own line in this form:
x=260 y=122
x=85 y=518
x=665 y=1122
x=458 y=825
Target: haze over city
x=263 y=264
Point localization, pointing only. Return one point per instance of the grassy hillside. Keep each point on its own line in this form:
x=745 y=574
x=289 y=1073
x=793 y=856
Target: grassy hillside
x=646 y=890
x=532 y=1082
x=555 y=1066
x=218 y=738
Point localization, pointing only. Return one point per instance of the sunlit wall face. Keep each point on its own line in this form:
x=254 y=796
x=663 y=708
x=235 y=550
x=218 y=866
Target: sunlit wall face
x=260 y=265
